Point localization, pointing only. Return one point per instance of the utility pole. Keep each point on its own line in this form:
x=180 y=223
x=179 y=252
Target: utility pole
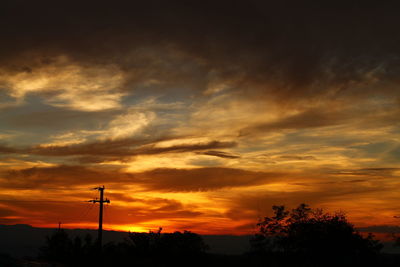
x=101 y=201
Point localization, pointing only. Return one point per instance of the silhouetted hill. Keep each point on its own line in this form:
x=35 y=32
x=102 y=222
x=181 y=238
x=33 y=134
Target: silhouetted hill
x=227 y=244
x=24 y=240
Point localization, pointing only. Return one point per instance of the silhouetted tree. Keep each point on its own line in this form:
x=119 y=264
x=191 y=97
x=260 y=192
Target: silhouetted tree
x=167 y=243
x=186 y=243
x=309 y=235
x=164 y=248
x=139 y=249
x=143 y=244
x=61 y=248
x=58 y=247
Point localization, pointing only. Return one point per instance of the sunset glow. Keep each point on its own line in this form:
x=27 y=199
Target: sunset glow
x=198 y=123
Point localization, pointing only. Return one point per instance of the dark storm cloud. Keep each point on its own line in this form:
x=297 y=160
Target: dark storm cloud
x=287 y=49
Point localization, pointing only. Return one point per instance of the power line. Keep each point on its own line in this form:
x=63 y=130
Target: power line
x=43 y=200
x=86 y=212
x=49 y=201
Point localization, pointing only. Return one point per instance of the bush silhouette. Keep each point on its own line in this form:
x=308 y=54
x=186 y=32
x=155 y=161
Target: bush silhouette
x=139 y=249
x=166 y=247
x=310 y=235
x=58 y=247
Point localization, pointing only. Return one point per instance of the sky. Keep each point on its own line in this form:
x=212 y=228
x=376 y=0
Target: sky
x=198 y=115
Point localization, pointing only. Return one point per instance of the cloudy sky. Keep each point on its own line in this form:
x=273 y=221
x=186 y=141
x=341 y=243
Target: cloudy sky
x=198 y=115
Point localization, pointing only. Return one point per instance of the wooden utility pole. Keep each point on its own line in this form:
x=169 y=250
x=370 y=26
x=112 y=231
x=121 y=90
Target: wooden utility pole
x=101 y=201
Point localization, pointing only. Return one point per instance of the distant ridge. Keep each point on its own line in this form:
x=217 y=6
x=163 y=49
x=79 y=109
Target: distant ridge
x=22 y=240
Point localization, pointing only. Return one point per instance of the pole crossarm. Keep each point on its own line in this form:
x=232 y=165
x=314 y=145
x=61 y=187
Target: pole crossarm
x=98 y=201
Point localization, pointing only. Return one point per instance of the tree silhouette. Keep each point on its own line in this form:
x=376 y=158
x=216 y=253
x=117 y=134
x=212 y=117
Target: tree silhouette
x=58 y=247
x=139 y=249
x=310 y=235
x=177 y=243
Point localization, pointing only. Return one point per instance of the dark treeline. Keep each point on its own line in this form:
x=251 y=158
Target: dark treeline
x=300 y=237
x=139 y=249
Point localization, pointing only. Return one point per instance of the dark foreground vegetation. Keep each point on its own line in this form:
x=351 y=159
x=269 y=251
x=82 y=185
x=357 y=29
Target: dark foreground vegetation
x=300 y=237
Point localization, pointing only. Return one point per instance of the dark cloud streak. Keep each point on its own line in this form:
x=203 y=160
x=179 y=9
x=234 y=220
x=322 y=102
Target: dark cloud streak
x=169 y=180
x=204 y=179
x=117 y=149
x=220 y=154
